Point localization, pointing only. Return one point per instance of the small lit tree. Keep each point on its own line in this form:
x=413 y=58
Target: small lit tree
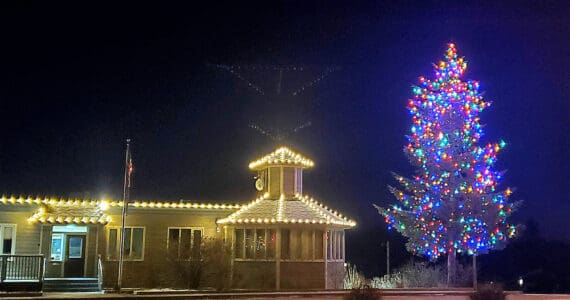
x=452 y=203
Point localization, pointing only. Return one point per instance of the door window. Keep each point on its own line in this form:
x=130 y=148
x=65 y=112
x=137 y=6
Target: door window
x=75 y=247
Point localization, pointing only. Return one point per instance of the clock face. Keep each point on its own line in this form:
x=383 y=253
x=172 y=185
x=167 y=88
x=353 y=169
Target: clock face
x=259 y=184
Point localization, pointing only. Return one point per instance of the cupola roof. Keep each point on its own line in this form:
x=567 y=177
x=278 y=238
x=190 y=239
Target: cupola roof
x=282 y=156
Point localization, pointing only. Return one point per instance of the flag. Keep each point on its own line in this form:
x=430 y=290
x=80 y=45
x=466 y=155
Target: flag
x=130 y=171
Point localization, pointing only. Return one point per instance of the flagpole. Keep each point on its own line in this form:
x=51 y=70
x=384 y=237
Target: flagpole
x=126 y=188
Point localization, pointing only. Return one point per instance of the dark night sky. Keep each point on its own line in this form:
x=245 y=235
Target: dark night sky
x=77 y=80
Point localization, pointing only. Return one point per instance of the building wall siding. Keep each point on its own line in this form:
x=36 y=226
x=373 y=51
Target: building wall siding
x=335 y=275
x=256 y=275
x=288 y=181
x=302 y=275
x=156 y=270
x=27 y=234
x=91 y=252
x=274 y=182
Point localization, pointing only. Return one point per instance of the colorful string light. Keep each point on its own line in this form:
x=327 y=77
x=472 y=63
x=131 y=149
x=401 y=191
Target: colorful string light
x=452 y=204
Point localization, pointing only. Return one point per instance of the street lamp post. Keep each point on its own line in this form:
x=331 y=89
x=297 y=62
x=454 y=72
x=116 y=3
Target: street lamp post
x=126 y=194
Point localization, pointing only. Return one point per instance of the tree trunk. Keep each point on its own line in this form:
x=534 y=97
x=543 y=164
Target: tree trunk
x=451 y=268
x=474 y=271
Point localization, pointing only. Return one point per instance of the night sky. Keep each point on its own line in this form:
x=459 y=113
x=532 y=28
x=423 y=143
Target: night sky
x=76 y=81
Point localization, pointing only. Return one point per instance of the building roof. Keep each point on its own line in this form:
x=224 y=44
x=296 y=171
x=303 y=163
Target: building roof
x=299 y=209
x=70 y=215
x=89 y=211
x=282 y=156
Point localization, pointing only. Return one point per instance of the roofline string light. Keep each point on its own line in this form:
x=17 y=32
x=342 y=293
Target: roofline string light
x=42 y=216
x=328 y=216
x=105 y=204
x=282 y=156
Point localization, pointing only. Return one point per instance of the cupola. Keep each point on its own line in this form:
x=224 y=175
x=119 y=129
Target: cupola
x=280 y=173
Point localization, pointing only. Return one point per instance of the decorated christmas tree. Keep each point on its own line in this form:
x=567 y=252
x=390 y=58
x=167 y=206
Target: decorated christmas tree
x=453 y=203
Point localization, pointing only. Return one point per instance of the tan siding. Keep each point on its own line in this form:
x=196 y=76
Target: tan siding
x=302 y=275
x=27 y=234
x=335 y=275
x=274 y=182
x=254 y=275
x=288 y=181
x=156 y=223
x=91 y=253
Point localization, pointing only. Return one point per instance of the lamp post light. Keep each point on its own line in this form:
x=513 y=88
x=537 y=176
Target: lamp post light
x=520 y=282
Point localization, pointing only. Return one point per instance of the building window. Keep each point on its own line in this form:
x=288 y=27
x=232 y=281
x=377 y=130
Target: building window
x=329 y=243
x=56 y=247
x=302 y=244
x=260 y=244
x=239 y=246
x=340 y=244
x=285 y=233
x=295 y=244
x=256 y=243
x=133 y=244
x=184 y=243
x=307 y=244
x=319 y=244
x=271 y=242
x=299 y=181
x=335 y=245
x=196 y=243
x=249 y=243
x=8 y=239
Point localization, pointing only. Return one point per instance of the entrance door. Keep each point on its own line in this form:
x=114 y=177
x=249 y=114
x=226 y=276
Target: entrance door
x=74 y=256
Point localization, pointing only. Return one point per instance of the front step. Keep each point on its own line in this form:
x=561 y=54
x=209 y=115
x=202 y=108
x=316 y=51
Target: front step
x=79 y=285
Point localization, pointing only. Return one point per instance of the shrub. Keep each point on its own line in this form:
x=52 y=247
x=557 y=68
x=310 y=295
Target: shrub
x=414 y=274
x=421 y=274
x=216 y=263
x=463 y=275
x=352 y=278
x=392 y=281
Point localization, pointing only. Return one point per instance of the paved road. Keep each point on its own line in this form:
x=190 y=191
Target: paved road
x=274 y=296
x=383 y=298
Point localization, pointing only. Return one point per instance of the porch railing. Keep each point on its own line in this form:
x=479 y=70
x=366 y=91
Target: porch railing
x=16 y=271
x=100 y=272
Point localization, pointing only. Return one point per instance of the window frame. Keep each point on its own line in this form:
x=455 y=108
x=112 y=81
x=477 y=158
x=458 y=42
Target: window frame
x=14 y=234
x=335 y=245
x=118 y=243
x=192 y=229
x=312 y=237
x=255 y=241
